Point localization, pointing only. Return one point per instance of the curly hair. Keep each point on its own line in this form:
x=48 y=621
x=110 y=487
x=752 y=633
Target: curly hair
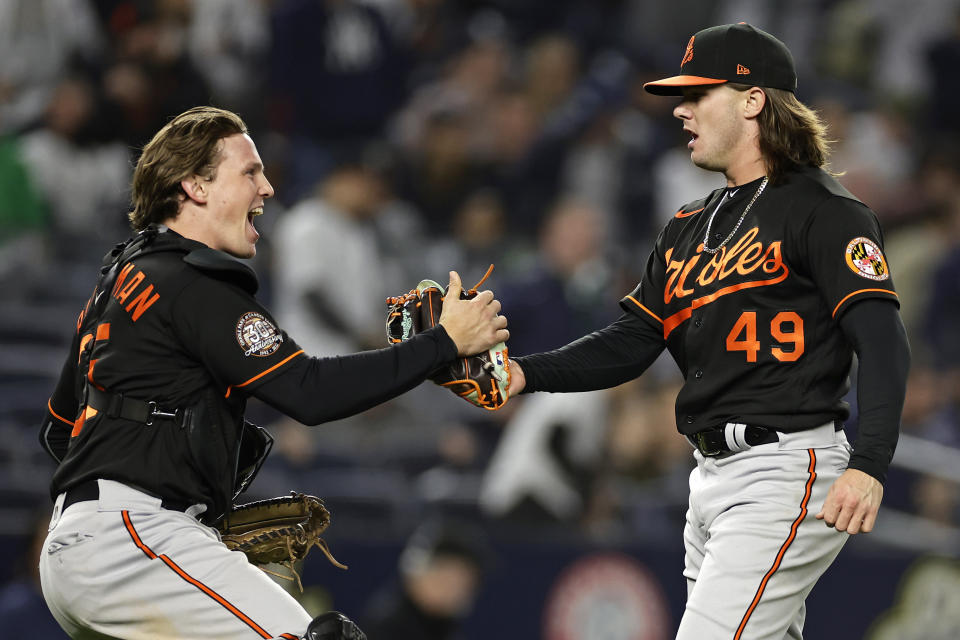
x=190 y=144
x=791 y=133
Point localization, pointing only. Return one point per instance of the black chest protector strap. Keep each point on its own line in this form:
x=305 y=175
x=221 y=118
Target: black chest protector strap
x=124 y=252
x=116 y=405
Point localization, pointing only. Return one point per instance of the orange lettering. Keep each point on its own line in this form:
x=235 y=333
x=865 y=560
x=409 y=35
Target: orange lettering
x=745 y=257
x=88 y=412
x=83 y=343
x=121 y=277
x=710 y=270
x=675 y=281
x=735 y=251
x=130 y=286
x=142 y=303
x=751 y=253
x=772 y=260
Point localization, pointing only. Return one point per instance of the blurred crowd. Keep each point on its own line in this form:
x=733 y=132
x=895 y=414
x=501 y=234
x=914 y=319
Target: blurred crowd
x=406 y=138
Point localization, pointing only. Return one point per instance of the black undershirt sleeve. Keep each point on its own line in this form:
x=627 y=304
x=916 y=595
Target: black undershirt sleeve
x=603 y=359
x=874 y=328
x=316 y=390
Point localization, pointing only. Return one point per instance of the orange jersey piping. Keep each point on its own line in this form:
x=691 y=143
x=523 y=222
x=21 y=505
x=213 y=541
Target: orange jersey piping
x=57 y=415
x=263 y=373
x=850 y=295
x=652 y=314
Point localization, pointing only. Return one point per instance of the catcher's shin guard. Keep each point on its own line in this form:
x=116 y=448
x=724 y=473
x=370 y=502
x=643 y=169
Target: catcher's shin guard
x=333 y=625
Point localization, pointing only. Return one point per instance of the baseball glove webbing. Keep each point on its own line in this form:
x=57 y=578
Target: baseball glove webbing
x=278 y=531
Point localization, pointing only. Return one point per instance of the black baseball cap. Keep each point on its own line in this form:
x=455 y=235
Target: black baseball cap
x=731 y=53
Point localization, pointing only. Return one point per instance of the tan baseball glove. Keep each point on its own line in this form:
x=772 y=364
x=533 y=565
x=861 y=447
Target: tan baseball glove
x=278 y=531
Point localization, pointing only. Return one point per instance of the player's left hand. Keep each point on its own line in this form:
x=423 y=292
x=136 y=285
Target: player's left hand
x=517 y=379
x=852 y=502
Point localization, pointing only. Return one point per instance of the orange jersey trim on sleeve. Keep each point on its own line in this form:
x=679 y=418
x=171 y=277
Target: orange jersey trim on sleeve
x=650 y=313
x=263 y=373
x=858 y=291
x=57 y=415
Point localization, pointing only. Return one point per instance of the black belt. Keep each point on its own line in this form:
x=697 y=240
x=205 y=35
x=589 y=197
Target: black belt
x=713 y=442
x=90 y=490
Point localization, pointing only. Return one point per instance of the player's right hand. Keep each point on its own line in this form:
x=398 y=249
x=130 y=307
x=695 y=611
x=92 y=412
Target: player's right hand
x=474 y=325
x=852 y=502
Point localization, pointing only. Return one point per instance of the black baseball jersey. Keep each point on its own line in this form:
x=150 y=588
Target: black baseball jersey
x=162 y=337
x=753 y=327
x=178 y=329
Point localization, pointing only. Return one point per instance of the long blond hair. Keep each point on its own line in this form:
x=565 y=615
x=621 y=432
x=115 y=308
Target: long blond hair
x=188 y=145
x=791 y=133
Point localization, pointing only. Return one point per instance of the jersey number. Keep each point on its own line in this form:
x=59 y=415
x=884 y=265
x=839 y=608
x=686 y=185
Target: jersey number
x=786 y=328
x=101 y=335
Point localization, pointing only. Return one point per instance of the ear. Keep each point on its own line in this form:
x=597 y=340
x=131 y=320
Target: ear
x=196 y=189
x=756 y=98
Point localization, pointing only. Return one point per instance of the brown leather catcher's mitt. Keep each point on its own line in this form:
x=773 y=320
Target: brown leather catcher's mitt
x=481 y=379
x=278 y=531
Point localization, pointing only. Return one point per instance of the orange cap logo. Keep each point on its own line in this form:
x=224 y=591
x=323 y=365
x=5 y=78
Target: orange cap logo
x=688 y=54
x=742 y=70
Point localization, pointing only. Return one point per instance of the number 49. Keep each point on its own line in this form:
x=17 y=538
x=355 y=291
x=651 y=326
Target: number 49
x=746 y=325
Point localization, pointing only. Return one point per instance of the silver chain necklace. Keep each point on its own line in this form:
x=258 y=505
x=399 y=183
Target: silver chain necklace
x=706 y=235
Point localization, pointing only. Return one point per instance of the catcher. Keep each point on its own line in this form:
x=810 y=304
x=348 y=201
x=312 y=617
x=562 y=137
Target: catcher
x=146 y=421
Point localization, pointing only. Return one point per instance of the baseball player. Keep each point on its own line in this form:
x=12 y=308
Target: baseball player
x=762 y=292
x=146 y=420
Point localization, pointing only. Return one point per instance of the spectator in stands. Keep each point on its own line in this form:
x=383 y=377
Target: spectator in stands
x=441 y=172
x=325 y=246
x=39 y=42
x=558 y=300
x=440 y=573
x=481 y=236
x=151 y=76
x=22 y=209
x=467 y=84
x=944 y=306
x=79 y=180
x=228 y=42
x=336 y=75
x=544 y=469
x=942 y=62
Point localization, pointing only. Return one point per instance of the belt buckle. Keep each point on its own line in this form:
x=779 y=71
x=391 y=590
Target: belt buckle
x=154 y=411
x=703 y=446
